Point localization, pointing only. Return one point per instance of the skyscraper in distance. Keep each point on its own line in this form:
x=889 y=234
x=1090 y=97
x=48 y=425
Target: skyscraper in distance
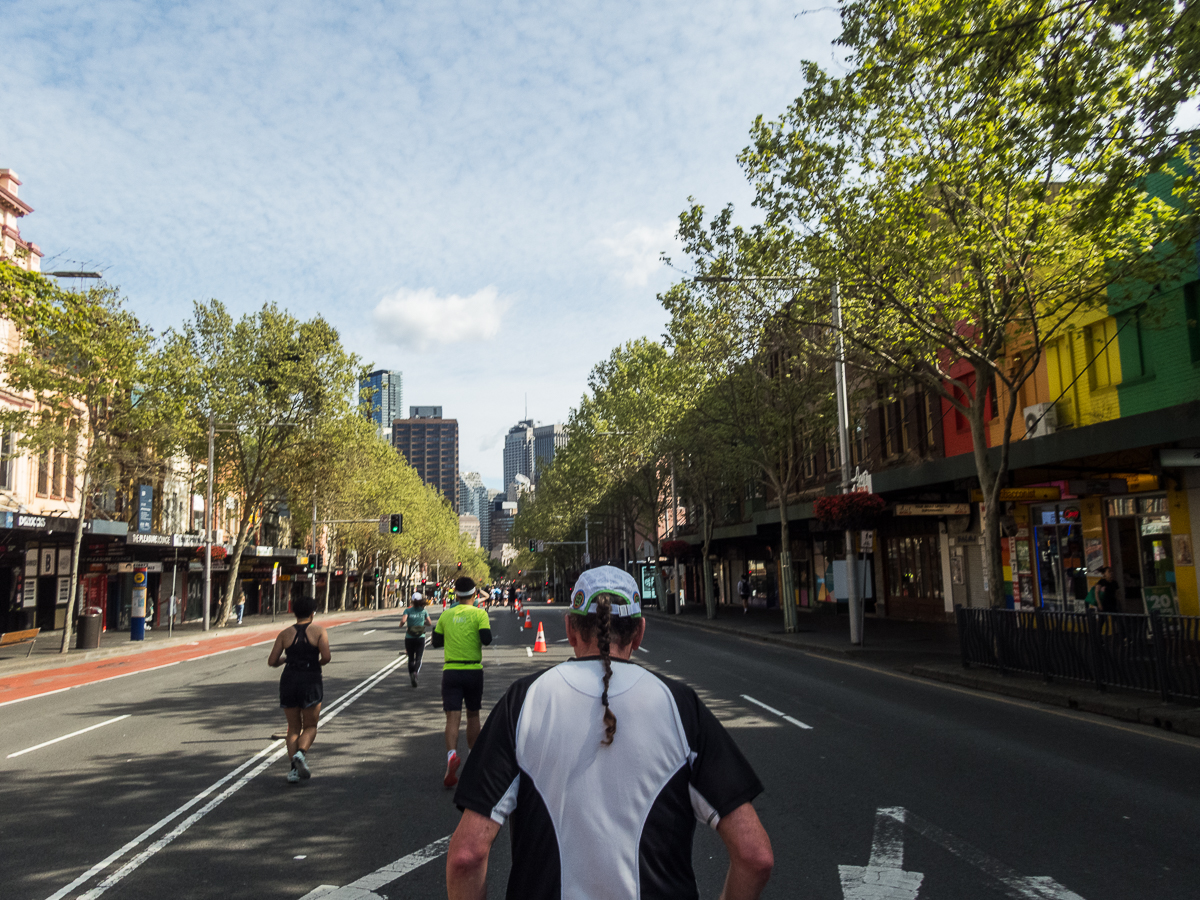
x=381 y=396
x=431 y=447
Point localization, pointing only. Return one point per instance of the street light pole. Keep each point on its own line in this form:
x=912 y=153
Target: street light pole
x=854 y=601
x=208 y=529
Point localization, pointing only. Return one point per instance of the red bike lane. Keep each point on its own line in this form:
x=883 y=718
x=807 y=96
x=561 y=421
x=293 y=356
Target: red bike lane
x=39 y=683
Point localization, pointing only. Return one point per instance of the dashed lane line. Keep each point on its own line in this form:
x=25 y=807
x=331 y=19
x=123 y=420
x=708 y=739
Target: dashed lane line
x=66 y=736
x=778 y=712
x=364 y=887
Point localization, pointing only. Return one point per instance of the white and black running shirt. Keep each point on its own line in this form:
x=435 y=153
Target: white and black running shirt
x=591 y=822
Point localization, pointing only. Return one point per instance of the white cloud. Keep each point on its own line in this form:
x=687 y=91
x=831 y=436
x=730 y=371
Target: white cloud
x=638 y=251
x=420 y=318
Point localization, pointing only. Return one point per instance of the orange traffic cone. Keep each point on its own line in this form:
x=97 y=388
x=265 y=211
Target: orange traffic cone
x=539 y=646
x=529 y=619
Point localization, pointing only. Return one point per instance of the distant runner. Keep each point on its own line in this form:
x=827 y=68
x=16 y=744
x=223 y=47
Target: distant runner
x=464 y=630
x=413 y=620
x=604 y=769
x=301 y=689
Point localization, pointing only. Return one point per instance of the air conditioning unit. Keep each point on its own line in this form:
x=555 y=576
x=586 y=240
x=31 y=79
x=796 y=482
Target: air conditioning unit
x=1040 y=419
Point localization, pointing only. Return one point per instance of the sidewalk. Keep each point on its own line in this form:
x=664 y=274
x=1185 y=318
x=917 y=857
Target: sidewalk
x=930 y=650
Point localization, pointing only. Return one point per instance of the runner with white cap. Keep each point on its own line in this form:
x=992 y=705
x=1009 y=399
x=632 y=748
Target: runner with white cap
x=464 y=630
x=413 y=620
x=604 y=769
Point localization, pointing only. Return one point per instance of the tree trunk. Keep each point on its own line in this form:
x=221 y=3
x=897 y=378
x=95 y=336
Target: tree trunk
x=231 y=577
x=989 y=485
x=345 y=579
x=787 y=590
x=706 y=572
x=73 y=590
x=329 y=570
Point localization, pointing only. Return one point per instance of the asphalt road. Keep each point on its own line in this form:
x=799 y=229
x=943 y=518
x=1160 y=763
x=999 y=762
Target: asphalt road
x=878 y=786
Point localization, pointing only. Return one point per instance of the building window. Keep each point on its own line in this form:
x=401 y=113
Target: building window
x=43 y=478
x=8 y=461
x=1191 y=311
x=56 y=486
x=1101 y=348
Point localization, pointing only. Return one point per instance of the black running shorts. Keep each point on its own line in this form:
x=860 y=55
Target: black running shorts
x=460 y=685
x=300 y=689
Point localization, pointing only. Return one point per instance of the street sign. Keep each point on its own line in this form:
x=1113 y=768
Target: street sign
x=541 y=546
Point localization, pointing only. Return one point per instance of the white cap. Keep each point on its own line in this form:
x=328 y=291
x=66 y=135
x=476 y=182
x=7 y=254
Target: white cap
x=417 y=595
x=606 y=580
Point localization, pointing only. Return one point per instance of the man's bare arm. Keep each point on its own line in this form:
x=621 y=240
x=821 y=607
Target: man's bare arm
x=750 y=856
x=467 y=858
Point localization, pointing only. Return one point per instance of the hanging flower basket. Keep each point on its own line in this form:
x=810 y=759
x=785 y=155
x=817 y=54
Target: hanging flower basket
x=676 y=549
x=218 y=551
x=850 y=511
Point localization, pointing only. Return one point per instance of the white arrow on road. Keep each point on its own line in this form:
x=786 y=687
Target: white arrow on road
x=883 y=877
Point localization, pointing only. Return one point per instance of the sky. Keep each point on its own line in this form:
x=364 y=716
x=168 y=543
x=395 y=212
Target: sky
x=474 y=194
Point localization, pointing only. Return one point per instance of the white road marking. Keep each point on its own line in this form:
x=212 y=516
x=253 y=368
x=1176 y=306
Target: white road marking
x=363 y=888
x=883 y=878
x=372 y=631
x=529 y=652
x=643 y=649
x=260 y=762
x=777 y=712
x=561 y=641
x=65 y=736
x=1016 y=885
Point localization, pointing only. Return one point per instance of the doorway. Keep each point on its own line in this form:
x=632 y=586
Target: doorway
x=1058 y=547
x=1139 y=531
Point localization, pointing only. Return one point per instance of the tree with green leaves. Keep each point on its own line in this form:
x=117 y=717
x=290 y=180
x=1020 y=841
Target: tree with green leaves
x=763 y=384
x=83 y=360
x=266 y=380
x=982 y=173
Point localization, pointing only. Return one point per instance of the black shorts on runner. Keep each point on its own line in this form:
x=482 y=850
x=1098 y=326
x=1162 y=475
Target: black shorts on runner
x=300 y=689
x=459 y=685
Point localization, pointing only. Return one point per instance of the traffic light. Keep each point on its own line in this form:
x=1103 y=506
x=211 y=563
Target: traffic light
x=518 y=571
x=395 y=523
x=460 y=567
x=547 y=583
x=312 y=563
x=532 y=546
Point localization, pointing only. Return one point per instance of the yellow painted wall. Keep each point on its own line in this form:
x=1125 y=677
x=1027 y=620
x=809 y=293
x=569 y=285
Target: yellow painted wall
x=1083 y=365
x=1185 y=576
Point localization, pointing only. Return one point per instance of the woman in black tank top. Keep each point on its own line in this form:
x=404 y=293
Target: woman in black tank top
x=306 y=648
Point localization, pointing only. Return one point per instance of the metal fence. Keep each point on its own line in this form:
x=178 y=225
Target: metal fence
x=1143 y=653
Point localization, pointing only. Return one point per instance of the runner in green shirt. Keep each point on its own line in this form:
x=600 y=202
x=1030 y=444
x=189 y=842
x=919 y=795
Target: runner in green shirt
x=463 y=630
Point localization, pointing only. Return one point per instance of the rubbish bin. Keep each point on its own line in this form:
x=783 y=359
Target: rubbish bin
x=89 y=632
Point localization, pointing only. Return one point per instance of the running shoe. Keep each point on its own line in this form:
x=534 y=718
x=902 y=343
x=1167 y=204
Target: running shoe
x=451 y=778
x=301 y=764
x=412 y=676
x=293 y=777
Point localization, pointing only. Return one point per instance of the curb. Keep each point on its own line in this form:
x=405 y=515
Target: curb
x=1169 y=717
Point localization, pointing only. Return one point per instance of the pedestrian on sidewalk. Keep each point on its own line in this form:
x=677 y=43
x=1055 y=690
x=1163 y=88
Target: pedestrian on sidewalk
x=414 y=620
x=606 y=767
x=463 y=630
x=301 y=690
x=744 y=592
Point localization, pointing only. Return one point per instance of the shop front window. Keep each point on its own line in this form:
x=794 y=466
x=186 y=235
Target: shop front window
x=1139 y=531
x=1061 y=572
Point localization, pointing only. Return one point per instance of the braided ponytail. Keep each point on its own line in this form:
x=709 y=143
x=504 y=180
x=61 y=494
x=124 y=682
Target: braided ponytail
x=604 y=618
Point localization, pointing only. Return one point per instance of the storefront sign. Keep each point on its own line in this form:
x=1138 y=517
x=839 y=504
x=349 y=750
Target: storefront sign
x=1179 y=459
x=1018 y=495
x=264 y=551
x=29 y=593
x=1085 y=487
x=933 y=509
x=31 y=564
x=64 y=561
x=1161 y=599
x=145 y=539
x=64 y=591
x=46 y=566
x=145 y=508
x=126 y=567
x=38 y=523
x=186 y=540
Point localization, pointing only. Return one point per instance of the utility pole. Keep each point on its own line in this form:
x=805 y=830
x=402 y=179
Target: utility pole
x=854 y=602
x=675 y=536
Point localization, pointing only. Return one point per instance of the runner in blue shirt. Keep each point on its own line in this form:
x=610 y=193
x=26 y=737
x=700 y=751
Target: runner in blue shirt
x=414 y=620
